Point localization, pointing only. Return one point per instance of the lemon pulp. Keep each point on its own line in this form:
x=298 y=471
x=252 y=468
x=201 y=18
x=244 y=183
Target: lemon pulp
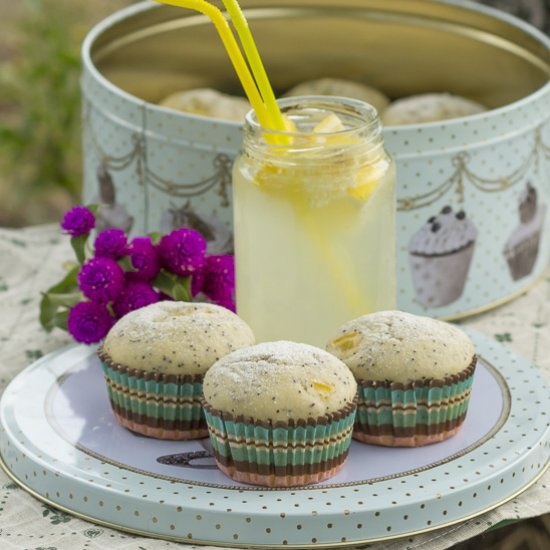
x=313 y=250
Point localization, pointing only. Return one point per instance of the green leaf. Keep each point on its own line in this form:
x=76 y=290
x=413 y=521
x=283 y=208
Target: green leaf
x=181 y=293
x=66 y=300
x=155 y=237
x=126 y=264
x=164 y=281
x=186 y=281
x=62 y=294
x=47 y=313
x=79 y=247
x=60 y=319
x=94 y=208
x=69 y=283
x=178 y=288
x=111 y=310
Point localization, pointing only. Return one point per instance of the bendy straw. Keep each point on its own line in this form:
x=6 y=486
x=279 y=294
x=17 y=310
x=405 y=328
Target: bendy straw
x=254 y=60
x=267 y=111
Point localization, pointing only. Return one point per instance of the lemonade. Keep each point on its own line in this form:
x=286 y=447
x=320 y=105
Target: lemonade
x=314 y=219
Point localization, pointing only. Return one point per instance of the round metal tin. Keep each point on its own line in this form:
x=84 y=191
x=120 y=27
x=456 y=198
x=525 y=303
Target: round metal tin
x=61 y=442
x=157 y=169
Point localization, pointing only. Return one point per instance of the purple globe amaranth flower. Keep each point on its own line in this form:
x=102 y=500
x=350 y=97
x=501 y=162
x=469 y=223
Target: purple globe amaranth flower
x=110 y=243
x=219 y=277
x=197 y=282
x=227 y=302
x=89 y=322
x=78 y=221
x=144 y=260
x=137 y=294
x=183 y=251
x=101 y=280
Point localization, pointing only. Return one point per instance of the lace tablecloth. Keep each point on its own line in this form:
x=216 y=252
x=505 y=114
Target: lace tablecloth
x=31 y=260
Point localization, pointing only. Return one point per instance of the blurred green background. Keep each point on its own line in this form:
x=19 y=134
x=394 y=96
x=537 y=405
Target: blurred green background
x=40 y=105
x=40 y=158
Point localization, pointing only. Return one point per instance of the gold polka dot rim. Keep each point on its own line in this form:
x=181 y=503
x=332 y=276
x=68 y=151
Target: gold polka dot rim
x=344 y=507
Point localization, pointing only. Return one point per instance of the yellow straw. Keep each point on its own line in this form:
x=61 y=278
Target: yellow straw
x=232 y=48
x=260 y=94
x=258 y=70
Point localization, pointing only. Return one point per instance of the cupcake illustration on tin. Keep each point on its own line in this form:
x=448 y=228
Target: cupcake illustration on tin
x=440 y=255
x=111 y=214
x=522 y=247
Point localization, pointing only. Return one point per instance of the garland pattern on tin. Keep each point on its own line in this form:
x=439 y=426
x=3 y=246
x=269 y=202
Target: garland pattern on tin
x=221 y=177
x=462 y=174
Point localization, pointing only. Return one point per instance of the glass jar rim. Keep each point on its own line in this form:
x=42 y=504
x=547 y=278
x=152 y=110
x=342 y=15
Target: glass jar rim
x=364 y=113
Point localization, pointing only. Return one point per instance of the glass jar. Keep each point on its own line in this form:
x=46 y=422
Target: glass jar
x=314 y=218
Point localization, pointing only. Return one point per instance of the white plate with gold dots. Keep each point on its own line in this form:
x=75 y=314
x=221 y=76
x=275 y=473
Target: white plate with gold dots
x=61 y=442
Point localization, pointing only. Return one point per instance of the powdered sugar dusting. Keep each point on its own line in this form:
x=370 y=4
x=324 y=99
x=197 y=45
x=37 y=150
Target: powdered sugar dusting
x=401 y=347
x=279 y=381
x=176 y=337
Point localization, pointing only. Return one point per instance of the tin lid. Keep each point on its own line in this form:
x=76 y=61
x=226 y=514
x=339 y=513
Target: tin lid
x=61 y=442
x=141 y=54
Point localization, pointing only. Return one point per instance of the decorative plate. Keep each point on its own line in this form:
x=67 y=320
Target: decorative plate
x=60 y=441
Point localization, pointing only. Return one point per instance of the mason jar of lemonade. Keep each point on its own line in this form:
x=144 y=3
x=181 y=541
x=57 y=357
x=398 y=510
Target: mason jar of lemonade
x=314 y=218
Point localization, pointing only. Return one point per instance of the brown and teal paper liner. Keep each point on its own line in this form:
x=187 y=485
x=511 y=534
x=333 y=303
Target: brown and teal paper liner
x=414 y=414
x=153 y=404
x=280 y=454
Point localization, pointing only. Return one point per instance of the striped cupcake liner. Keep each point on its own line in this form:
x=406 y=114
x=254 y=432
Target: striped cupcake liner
x=155 y=405
x=280 y=454
x=414 y=414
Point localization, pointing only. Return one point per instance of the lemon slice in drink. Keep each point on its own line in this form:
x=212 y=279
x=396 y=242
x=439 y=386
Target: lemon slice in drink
x=367 y=177
x=366 y=183
x=289 y=124
x=329 y=124
x=269 y=170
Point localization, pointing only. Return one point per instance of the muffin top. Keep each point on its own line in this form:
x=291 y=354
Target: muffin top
x=176 y=337
x=421 y=108
x=342 y=88
x=279 y=381
x=209 y=103
x=399 y=347
x=442 y=234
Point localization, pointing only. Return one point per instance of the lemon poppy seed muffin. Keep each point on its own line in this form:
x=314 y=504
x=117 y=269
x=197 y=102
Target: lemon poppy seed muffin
x=154 y=361
x=422 y=108
x=414 y=376
x=208 y=103
x=280 y=413
x=342 y=88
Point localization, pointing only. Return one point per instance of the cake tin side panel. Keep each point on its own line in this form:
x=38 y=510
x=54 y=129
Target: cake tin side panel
x=113 y=156
x=498 y=241
x=188 y=171
x=156 y=170
x=162 y=169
